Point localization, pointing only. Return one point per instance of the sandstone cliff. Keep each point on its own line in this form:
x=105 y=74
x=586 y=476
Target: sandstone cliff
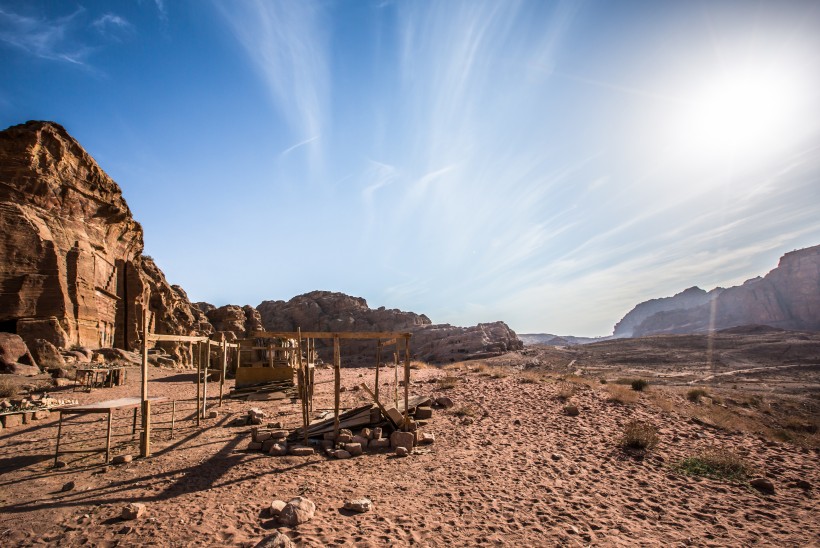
x=327 y=311
x=234 y=320
x=685 y=300
x=788 y=297
x=71 y=263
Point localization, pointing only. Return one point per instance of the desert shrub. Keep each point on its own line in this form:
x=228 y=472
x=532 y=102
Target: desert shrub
x=446 y=383
x=530 y=377
x=621 y=394
x=639 y=435
x=603 y=380
x=7 y=389
x=416 y=364
x=639 y=384
x=696 y=394
x=798 y=425
x=565 y=390
x=465 y=411
x=715 y=462
x=571 y=410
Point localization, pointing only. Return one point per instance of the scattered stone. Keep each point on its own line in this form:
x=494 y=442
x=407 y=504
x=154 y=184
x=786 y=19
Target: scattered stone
x=355 y=449
x=125 y=530
x=342 y=454
x=296 y=511
x=213 y=414
x=276 y=540
x=278 y=434
x=278 y=449
x=425 y=438
x=402 y=439
x=254 y=446
x=122 y=459
x=556 y=456
x=68 y=486
x=366 y=433
x=424 y=413
x=802 y=484
x=267 y=444
x=382 y=443
x=276 y=507
x=60 y=464
x=517 y=422
x=467 y=421
x=41 y=414
x=376 y=433
x=275 y=425
x=361 y=440
x=135 y=510
x=10 y=421
x=571 y=410
x=261 y=437
x=359 y=505
x=402 y=451
x=300 y=451
x=764 y=485
x=444 y=402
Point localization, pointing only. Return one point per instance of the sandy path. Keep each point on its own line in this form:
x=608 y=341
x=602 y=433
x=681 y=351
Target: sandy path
x=522 y=473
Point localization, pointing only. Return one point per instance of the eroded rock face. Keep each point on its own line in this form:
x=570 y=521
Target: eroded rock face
x=72 y=269
x=240 y=321
x=328 y=311
x=788 y=297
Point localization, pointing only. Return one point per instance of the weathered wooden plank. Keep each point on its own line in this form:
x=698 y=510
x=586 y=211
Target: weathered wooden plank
x=175 y=338
x=330 y=335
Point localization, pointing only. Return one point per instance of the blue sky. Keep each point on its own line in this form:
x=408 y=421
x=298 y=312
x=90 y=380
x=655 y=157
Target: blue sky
x=549 y=164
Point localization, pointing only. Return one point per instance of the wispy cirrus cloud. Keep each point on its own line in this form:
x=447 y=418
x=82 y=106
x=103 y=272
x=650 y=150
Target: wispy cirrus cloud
x=287 y=44
x=45 y=38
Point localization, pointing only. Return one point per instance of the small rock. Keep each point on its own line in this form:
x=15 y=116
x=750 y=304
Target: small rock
x=402 y=451
x=342 y=454
x=425 y=438
x=424 y=413
x=267 y=444
x=134 y=510
x=275 y=425
x=122 y=459
x=276 y=540
x=556 y=456
x=467 y=421
x=764 y=485
x=365 y=433
x=355 y=449
x=68 y=486
x=802 y=484
x=278 y=449
x=402 y=439
x=376 y=433
x=361 y=440
x=261 y=437
x=300 y=451
x=359 y=505
x=276 y=507
x=382 y=443
x=517 y=422
x=571 y=410
x=344 y=438
x=444 y=402
x=60 y=464
x=213 y=414
x=296 y=511
x=125 y=530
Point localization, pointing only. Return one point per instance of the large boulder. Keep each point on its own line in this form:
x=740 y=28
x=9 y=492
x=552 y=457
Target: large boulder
x=12 y=348
x=46 y=354
x=240 y=321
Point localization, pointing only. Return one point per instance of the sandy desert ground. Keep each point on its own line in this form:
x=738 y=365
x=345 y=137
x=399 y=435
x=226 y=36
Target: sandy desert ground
x=508 y=467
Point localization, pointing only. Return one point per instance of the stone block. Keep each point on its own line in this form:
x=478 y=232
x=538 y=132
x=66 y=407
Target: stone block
x=424 y=413
x=342 y=454
x=122 y=459
x=10 y=421
x=254 y=446
x=402 y=439
x=261 y=437
x=278 y=450
x=361 y=440
x=355 y=449
x=279 y=434
x=402 y=451
x=134 y=510
x=359 y=505
x=425 y=438
x=267 y=444
x=376 y=433
x=41 y=414
x=344 y=438
x=27 y=417
x=381 y=443
x=300 y=451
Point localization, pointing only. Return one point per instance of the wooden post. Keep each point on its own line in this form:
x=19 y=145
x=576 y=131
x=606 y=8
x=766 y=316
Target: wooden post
x=59 y=433
x=145 y=448
x=108 y=440
x=199 y=382
x=396 y=376
x=224 y=367
x=205 y=381
x=173 y=417
x=145 y=441
x=378 y=362
x=303 y=379
x=337 y=362
x=406 y=382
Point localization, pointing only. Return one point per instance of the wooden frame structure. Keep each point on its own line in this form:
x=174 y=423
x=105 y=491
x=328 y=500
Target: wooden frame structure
x=390 y=338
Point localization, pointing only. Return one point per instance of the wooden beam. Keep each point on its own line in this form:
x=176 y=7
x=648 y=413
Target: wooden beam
x=145 y=440
x=329 y=334
x=205 y=382
x=388 y=343
x=199 y=382
x=175 y=338
x=224 y=369
x=337 y=364
x=406 y=382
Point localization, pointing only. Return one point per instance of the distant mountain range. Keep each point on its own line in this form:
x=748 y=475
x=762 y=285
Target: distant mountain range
x=530 y=339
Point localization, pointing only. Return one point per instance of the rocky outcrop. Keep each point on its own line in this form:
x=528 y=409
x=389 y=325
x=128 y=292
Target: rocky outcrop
x=788 y=297
x=683 y=301
x=73 y=272
x=13 y=351
x=240 y=321
x=328 y=311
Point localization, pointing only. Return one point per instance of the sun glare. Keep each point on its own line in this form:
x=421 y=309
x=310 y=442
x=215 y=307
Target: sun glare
x=740 y=115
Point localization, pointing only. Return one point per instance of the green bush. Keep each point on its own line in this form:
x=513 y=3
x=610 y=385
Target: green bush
x=717 y=463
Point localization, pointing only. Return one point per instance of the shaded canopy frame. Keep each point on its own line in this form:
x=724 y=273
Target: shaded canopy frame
x=392 y=337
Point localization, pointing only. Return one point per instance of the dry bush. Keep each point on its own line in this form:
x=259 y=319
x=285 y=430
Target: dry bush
x=531 y=377
x=7 y=389
x=571 y=410
x=446 y=383
x=465 y=411
x=457 y=366
x=696 y=394
x=621 y=394
x=638 y=385
x=663 y=400
x=416 y=364
x=715 y=462
x=639 y=435
x=565 y=390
